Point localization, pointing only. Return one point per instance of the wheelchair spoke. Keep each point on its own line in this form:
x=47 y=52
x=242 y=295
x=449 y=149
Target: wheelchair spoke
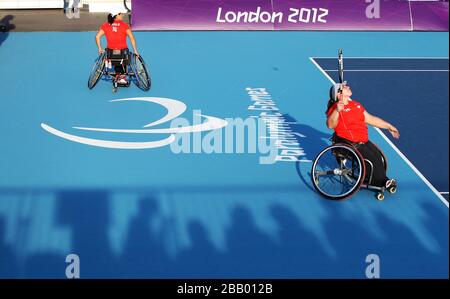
x=349 y=179
x=336 y=171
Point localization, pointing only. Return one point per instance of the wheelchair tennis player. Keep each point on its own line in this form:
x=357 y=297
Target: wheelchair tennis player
x=349 y=121
x=116 y=32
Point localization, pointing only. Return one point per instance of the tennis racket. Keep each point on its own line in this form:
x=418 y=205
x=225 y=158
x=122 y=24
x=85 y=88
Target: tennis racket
x=341 y=66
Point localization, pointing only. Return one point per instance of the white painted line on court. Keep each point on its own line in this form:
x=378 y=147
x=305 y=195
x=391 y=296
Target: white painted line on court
x=321 y=69
x=389 y=70
x=413 y=167
x=439 y=195
x=387 y=57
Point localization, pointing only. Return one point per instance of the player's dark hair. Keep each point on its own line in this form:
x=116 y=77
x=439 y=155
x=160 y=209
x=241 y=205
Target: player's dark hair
x=332 y=101
x=330 y=104
x=111 y=19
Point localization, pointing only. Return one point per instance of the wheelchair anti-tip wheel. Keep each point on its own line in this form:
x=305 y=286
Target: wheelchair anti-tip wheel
x=338 y=171
x=392 y=190
x=97 y=70
x=142 y=78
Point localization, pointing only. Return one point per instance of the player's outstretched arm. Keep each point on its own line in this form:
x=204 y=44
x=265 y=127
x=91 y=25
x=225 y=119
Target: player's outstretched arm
x=381 y=123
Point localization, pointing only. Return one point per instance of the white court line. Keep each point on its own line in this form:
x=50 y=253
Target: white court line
x=388 y=70
x=388 y=57
x=424 y=179
x=413 y=168
x=443 y=192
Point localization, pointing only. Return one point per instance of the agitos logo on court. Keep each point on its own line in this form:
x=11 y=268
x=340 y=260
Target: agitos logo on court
x=174 y=109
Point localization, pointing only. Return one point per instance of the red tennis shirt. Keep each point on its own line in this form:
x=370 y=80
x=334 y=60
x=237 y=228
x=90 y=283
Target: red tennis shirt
x=116 y=35
x=351 y=124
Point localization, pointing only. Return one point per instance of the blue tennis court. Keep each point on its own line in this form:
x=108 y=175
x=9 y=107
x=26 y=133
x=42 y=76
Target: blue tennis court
x=155 y=213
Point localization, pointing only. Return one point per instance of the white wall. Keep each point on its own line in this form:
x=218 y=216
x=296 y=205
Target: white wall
x=15 y=4
x=105 y=5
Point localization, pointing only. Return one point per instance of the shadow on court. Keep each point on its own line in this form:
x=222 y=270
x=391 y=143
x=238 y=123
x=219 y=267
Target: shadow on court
x=152 y=247
x=312 y=141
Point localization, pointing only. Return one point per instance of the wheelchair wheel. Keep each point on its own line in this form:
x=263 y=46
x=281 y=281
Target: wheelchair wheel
x=338 y=171
x=139 y=68
x=97 y=70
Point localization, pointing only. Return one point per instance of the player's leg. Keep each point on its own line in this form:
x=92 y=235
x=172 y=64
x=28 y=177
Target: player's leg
x=371 y=153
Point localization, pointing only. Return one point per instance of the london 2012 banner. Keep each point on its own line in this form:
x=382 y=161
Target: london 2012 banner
x=355 y=15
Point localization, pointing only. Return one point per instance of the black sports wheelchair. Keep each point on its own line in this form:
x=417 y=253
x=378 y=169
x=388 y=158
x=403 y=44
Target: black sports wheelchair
x=112 y=64
x=340 y=170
